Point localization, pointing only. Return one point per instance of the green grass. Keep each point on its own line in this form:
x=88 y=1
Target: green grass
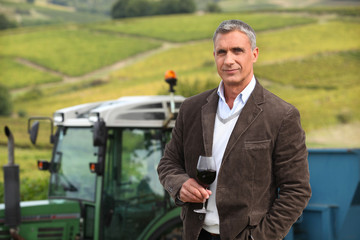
x=19 y=129
x=33 y=183
x=181 y=28
x=321 y=108
x=68 y=17
x=352 y=11
x=72 y=50
x=308 y=40
x=181 y=59
x=28 y=163
x=18 y=75
x=324 y=71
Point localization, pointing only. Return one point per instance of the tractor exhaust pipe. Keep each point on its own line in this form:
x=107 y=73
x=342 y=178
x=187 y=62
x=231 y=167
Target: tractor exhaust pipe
x=11 y=189
x=10 y=137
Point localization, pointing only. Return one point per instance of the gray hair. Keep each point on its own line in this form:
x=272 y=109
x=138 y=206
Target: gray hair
x=233 y=25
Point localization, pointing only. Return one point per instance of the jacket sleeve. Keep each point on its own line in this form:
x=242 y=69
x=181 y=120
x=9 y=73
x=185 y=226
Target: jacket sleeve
x=291 y=172
x=171 y=169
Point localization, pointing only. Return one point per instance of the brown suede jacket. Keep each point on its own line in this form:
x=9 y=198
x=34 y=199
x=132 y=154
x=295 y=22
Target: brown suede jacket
x=263 y=183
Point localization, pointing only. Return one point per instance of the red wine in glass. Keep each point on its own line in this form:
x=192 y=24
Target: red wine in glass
x=206 y=174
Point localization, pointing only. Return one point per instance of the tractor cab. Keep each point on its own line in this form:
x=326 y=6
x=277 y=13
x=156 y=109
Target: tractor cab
x=105 y=157
x=103 y=174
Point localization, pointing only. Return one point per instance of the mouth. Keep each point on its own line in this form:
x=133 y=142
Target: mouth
x=231 y=71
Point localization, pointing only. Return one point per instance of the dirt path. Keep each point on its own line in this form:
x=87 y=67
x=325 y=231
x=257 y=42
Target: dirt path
x=38 y=67
x=99 y=73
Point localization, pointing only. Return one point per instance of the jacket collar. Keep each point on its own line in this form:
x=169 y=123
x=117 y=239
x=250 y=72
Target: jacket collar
x=208 y=114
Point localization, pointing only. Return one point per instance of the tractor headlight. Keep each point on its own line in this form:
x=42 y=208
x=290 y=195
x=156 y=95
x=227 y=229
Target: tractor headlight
x=59 y=117
x=94 y=116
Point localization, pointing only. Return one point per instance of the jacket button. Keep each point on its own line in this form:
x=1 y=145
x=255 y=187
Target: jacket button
x=201 y=217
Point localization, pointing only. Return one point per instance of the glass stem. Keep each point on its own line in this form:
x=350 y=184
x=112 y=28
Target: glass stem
x=206 y=188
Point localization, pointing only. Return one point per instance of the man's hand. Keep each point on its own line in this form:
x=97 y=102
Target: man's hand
x=192 y=191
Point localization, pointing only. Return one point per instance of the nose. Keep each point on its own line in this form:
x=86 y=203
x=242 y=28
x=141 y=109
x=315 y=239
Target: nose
x=229 y=59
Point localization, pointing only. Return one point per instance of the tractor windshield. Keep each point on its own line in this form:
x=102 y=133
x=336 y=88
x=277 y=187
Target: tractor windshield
x=70 y=173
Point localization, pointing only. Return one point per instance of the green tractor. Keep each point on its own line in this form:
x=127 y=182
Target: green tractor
x=103 y=181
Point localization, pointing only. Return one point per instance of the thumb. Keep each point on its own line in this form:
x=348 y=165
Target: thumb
x=208 y=191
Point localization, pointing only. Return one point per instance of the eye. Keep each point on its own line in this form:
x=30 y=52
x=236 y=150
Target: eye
x=238 y=50
x=220 y=52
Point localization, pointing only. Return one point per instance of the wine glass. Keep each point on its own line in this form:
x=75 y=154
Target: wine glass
x=206 y=174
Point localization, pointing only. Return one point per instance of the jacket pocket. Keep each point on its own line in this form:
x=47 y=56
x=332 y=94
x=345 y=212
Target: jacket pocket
x=254 y=221
x=257 y=145
x=259 y=162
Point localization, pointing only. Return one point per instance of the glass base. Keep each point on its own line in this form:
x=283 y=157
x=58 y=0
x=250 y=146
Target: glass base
x=203 y=210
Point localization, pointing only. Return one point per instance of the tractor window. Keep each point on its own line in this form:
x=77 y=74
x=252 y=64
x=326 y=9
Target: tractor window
x=133 y=194
x=70 y=174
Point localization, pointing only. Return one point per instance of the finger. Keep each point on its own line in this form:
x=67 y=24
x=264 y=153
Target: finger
x=204 y=193
x=191 y=191
x=190 y=194
x=190 y=197
x=201 y=194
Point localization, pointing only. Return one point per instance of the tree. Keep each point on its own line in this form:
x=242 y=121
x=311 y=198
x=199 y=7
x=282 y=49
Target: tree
x=119 y=9
x=176 y=6
x=186 y=6
x=5 y=101
x=5 y=23
x=136 y=8
x=213 y=7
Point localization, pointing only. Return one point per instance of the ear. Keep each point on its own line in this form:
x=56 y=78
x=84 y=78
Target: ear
x=255 y=54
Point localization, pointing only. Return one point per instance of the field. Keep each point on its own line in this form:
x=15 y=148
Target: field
x=18 y=75
x=309 y=59
x=181 y=28
x=71 y=51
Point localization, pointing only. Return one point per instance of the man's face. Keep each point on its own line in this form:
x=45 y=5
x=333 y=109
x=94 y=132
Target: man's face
x=234 y=58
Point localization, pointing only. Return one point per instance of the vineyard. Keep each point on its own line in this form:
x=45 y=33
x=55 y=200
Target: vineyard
x=309 y=58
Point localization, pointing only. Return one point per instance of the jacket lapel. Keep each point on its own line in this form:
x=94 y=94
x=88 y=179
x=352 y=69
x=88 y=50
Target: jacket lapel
x=247 y=116
x=208 y=114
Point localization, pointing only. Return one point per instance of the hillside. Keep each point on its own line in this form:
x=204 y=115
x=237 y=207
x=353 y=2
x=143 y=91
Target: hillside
x=302 y=59
x=58 y=62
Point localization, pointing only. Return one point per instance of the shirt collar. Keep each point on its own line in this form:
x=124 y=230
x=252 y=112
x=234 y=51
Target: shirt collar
x=243 y=96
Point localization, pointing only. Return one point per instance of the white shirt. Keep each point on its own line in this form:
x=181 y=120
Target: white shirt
x=225 y=121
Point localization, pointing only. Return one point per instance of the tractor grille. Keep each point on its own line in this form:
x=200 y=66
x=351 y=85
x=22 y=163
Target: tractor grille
x=53 y=233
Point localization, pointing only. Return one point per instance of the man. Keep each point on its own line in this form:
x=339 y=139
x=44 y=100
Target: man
x=262 y=183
